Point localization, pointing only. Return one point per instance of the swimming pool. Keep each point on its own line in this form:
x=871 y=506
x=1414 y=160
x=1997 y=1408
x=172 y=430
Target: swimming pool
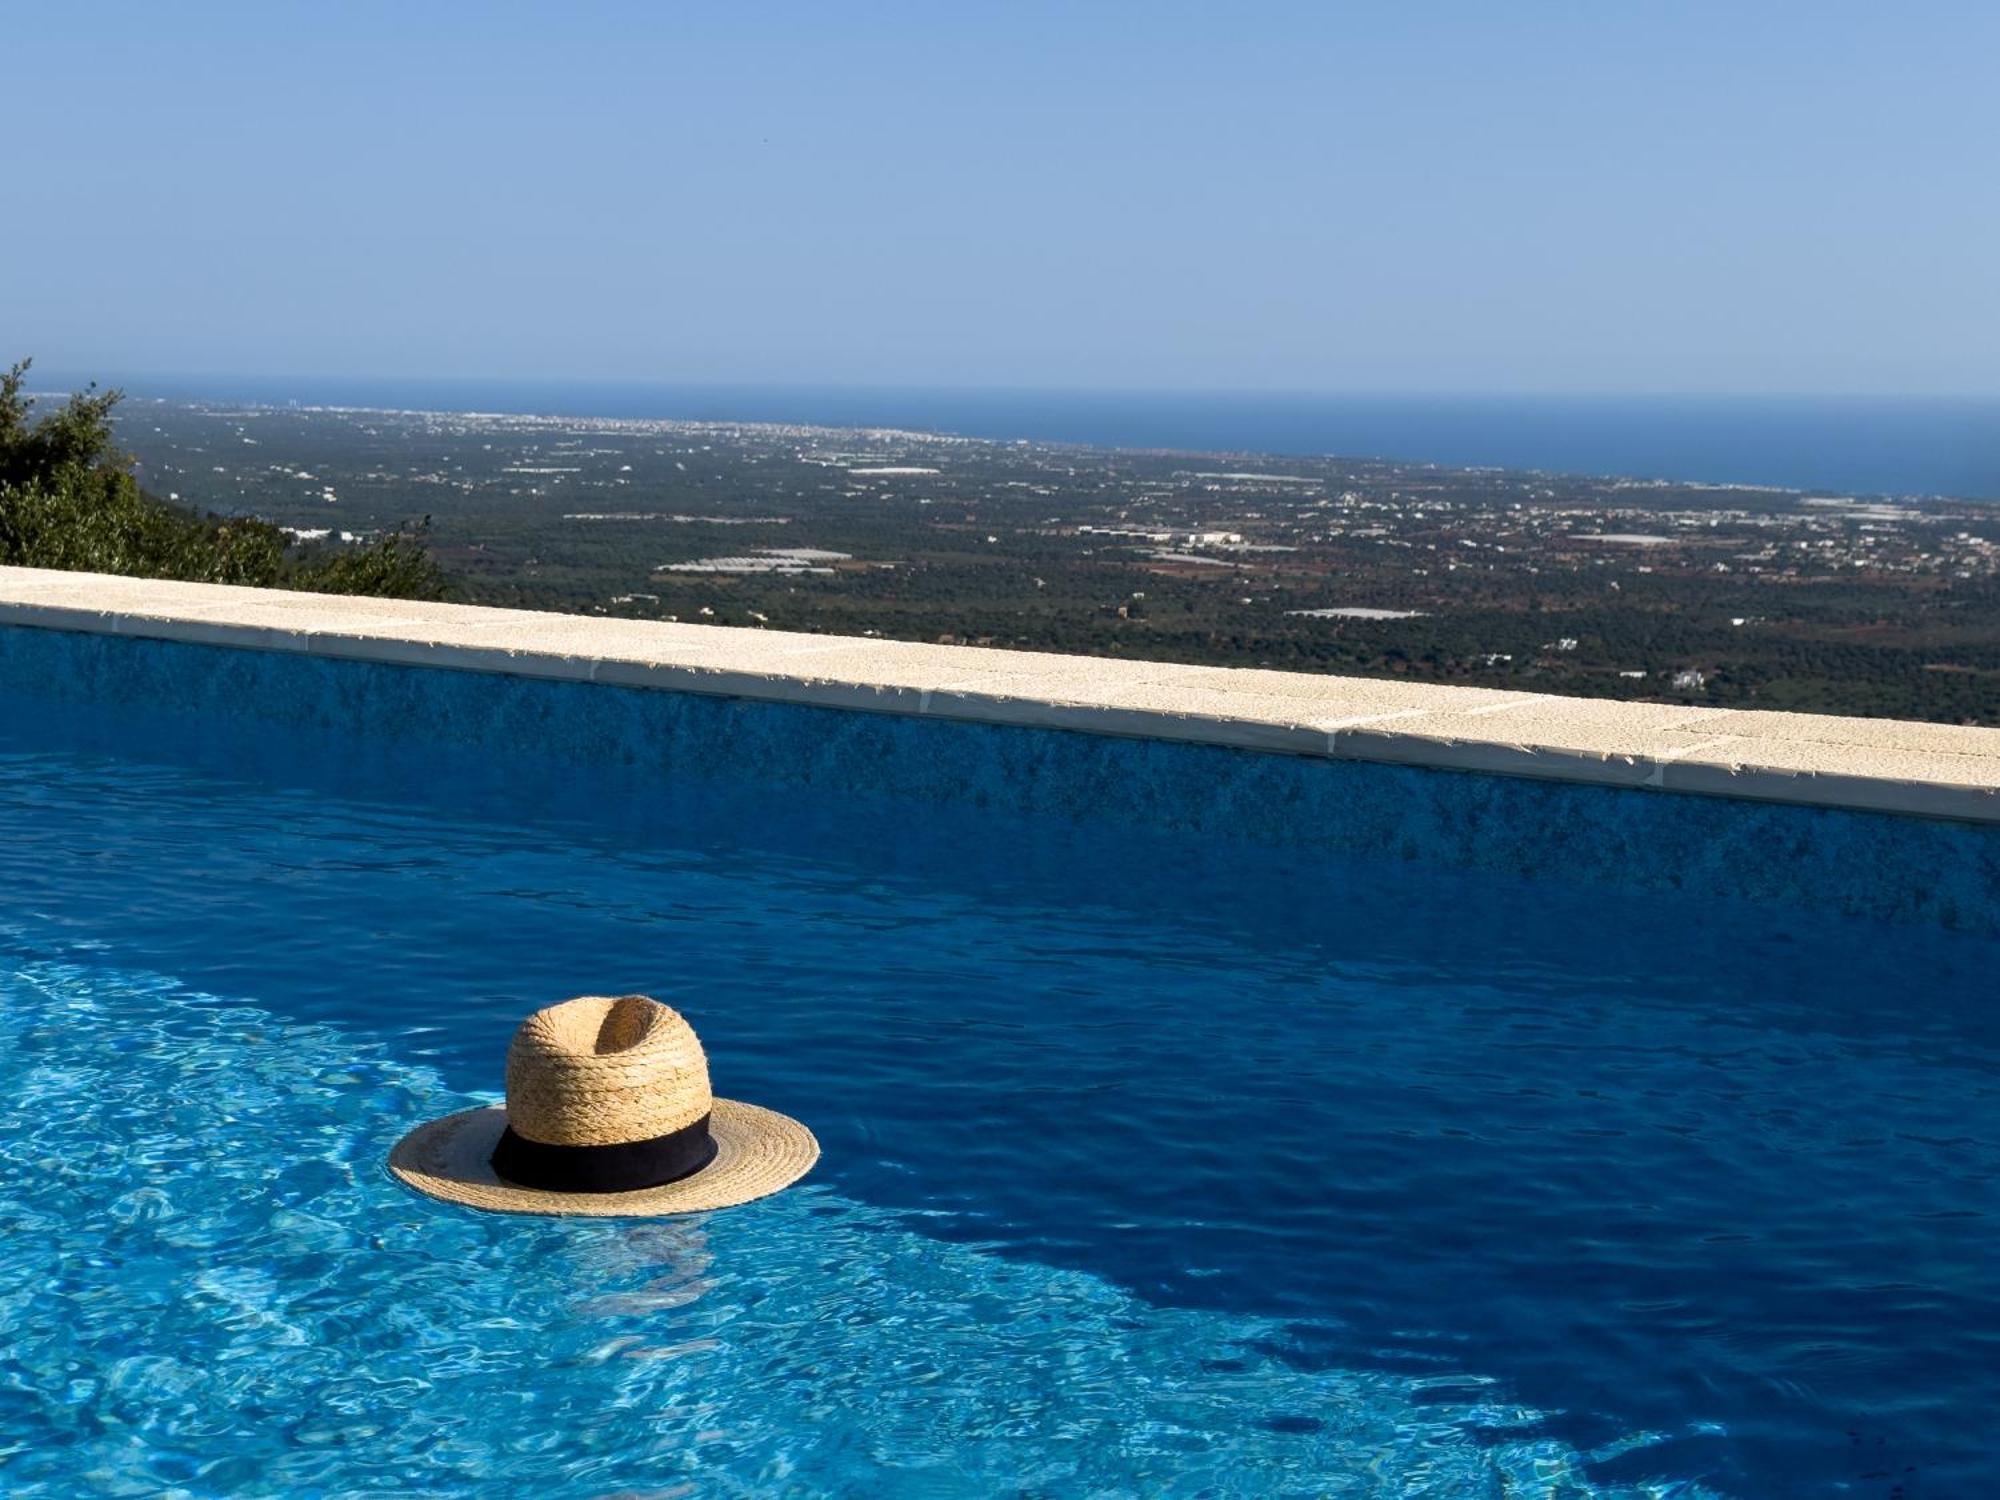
x=1153 y=1164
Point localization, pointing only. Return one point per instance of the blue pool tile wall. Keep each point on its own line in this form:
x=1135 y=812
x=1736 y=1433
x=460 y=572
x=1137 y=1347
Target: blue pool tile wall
x=1875 y=866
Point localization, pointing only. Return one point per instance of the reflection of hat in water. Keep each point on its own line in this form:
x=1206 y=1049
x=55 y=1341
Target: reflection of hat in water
x=608 y=1112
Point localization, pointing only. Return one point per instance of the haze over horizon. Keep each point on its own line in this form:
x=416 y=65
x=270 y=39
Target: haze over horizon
x=1703 y=200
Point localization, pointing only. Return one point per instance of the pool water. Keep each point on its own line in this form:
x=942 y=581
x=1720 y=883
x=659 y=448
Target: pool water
x=1151 y=1166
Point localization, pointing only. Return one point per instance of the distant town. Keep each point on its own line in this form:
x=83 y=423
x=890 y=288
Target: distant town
x=1735 y=596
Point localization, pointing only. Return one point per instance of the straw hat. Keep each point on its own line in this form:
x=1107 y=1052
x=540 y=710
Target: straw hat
x=608 y=1113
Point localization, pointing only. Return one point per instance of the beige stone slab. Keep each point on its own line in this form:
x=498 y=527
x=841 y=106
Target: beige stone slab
x=114 y=591
x=1881 y=734
x=861 y=673
x=1922 y=769
x=1922 y=782
x=1588 y=725
x=1820 y=758
x=1221 y=699
x=1362 y=694
x=1570 y=739
x=1209 y=715
x=208 y=622
x=835 y=659
x=556 y=637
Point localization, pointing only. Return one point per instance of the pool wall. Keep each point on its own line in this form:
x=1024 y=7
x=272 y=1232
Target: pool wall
x=1341 y=767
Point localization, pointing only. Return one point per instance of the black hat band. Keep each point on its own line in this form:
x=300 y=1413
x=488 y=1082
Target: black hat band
x=621 y=1167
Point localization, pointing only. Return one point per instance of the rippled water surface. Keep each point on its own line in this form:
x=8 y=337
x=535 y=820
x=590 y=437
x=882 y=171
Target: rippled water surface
x=1150 y=1169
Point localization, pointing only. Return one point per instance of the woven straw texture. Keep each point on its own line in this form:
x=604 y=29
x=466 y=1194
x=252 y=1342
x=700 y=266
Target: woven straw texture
x=758 y=1151
x=599 y=1071
x=603 y=1071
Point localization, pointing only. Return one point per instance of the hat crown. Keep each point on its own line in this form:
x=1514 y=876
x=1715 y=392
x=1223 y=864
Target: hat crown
x=603 y=1070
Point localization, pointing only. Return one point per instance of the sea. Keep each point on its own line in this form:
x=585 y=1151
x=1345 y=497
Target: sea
x=1907 y=446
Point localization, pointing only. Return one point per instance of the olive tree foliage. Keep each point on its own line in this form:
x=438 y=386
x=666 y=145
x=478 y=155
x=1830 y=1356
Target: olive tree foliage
x=68 y=500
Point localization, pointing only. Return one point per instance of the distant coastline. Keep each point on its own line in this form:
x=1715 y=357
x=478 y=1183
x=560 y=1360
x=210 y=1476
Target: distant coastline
x=1848 y=445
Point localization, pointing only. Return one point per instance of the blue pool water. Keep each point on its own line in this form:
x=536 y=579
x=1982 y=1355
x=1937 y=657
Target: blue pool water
x=1152 y=1165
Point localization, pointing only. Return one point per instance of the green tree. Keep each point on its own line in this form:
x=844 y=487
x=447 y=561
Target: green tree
x=68 y=500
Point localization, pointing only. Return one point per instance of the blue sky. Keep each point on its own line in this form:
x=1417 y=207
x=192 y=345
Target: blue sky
x=1395 y=196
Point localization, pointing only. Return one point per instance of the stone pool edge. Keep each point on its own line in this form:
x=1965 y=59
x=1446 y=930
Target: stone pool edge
x=1884 y=766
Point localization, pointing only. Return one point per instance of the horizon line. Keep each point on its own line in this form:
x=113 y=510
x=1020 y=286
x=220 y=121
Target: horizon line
x=63 y=375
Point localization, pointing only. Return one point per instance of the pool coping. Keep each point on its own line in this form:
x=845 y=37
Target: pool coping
x=1879 y=765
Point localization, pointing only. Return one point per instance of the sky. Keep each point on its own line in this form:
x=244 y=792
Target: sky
x=1521 y=197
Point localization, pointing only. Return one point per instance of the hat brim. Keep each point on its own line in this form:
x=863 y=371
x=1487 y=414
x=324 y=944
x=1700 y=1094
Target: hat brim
x=757 y=1152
